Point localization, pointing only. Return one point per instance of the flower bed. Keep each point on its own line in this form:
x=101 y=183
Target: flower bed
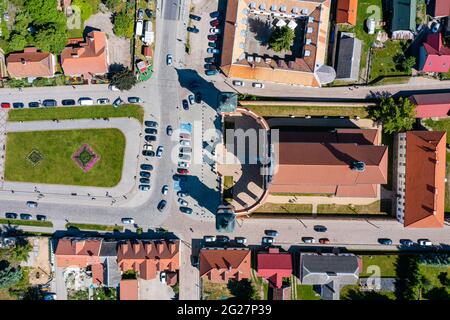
x=85 y=157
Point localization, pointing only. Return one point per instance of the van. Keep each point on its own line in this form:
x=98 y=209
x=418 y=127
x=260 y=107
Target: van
x=85 y=102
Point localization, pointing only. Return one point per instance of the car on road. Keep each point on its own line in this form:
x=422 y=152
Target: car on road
x=49 y=103
x=209 y=60
x=185 y=104
x=140 y=13
x=238 y=83
x=103 y=101
x=182 y=171
x=32 y=204
x=11 y=215
x=144 y=187
x=149 y=138
x=169 y=60
x=406 y=242
x=214 y=14
x=148 y=153
x=151 y=131
x=159 y=151
x=162 y=277
x=195 y=261
x=182 y=194
x=144 y=180
x=222 y=239
x=214 y=23
x=211 y=72
x=198 y=97
x=214 y=30
x=18 y=105
x=308 y=240
x=319 y=228
x=424 y=242
x=165 y=189
x=127 y=220
x=113 y=88
x=191 y=99
x=41 y=217
x=240 y=240
x=182 y=202
x=33 y=104
x=85 y=101
x=213 y=37
x=195 y=17
x=117 y=102
x=324 y=240
x=182 y=164
x=258 y=85
x=213 y=50
x=169 y=130
x=26 y=216
x=185 y=143
x=145 y=174
x=134 y=100
x=186 y=210
x=6 y=105
x=209 y=238
x=385 y=241
x=184 y=157
x=146 y=167
x=69 y=102
x=185 y=150
x=151 y=124
x=147 y=147
x=162 y=205
x=271 y=233
x=267 y=240
x=193 y=29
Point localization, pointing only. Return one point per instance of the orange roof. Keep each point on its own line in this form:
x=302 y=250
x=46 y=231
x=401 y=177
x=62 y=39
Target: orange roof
x=86 y=58
x=77 y=252
x=97 y=273
x=31 y=63
x=425 y=179
x=221 y=265
x=347 y=11
x=129 y=289
x=148 y=257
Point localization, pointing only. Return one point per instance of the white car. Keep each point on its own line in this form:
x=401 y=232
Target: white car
x=182 y=202
x=258 y=85
x=185 y=143
x=238 y=83
x=113 y=88
x=169 y=59
x=214 y=30
x=127 y=220
x=424 y=242
x=267 y=240
x=240 y=240
x=162 y=277
x=148 y=147
x=159 y=151
x=165 y=189
x=209 y=238
x=32 y=204
x=308 y=240
x=183 y=164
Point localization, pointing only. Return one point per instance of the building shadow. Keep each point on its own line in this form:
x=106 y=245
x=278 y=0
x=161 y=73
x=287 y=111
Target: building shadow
x=205 y=196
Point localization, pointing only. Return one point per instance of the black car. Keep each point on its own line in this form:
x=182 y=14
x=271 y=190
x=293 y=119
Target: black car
x=149 y=13
x=194 y=17
x=192 y=29
x=134 y=99
x=185 y=104
x=148 y=153
x=49 y=103
x=33 y=104
x=11 y=215
x=209 y=60
x=186 y=210
x=223 y=239
x=214 y=14
x=406 y=242
x=271 y=233
x=198 y=97
x=41 y=217
x=145 y=174
x=182 y=194
x=151 y=131
x=150 y=138
x=385 y=241
x=151 y=124
x=18 y=105
x=144 y=180
x=319 y=228
x=25 y=216
x=147 y=167
x=169 y=130
x=68 y=102
x=161 y=205
x=195 y=261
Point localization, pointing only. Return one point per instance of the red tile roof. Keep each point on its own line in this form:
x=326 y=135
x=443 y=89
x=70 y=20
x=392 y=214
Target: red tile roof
x=97 y=273
x=441 y=8
x=86 y=58
x=425 y=179
x=347 y=11
x=31 y=63
x=77 y=253
x=437 y=56
x=129 y=289
x=274 y=266
x=431 y=105
x=221 y=265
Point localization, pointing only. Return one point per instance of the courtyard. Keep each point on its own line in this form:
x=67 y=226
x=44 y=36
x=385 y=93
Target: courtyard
x=92 y=157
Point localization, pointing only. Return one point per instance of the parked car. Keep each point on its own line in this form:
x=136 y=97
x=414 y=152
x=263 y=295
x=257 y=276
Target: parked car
x=198 y=97
x=184 y=157
x=238 y=83
x=11 y=215
x=193 y=29
x=151 y=131
x=185 y=143
x=182 y=171
x=185 y=104
x=140 y=13
x=145 y=174
x=117 y=102
x=127 y=220
x=308 y=240
x=324 y=240
x=258 y=85
x=85 y=101
x=26 y=216
x=32 y=204
x=149 y=13
x=182 y=194
x=222 y=239
x=211 y=72
x=148 y=153
x=271 y=233
x=18 y=105
x=169 y=59
x=213 y=37
x=165 y=189
x=186 y=210
x=149 y=138
x=144 y=187
x=113 y=88
x=195 y=261
x=182 y=164
x=185 y=136
x=240 y=240
x=267 y=240
x=385 y=241
x=49 y=103
x=213 y=50
x=134 y=100
x=151 y=124
x=214 y=23
x=424 y=242
x=144 y=180
x=41 y=217
x=209 y=238
x=159 y=151
x=162 y=205
x=185 y=150
x=6 y=105
x=68 y=102
x=169 y=130
x=209 y=60
x=34 y=104
x=214 y=14
x=146 y=167
x=103 y=101
x=148 y=147
x=406 y=242
x=319 y=228
x=182 y=202
x=194 y=17
x=214 y=30
x=191 y=99
x=162 y=276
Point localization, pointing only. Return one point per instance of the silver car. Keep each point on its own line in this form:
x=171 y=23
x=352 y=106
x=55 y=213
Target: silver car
x=182 y=202
x=183 y=165
x=127 y=220
x=159 y=151
x=209 y=238
x=185 y=143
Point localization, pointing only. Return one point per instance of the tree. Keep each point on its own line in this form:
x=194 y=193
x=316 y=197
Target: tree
x=10 y=276
x=281 y=39
x=123 y=80
x=396 y=116
x=444 y=279
x=51 y=39
x=112 y=4
x=43 y=12
x=408 y=63
x=124 y=25
x=20 y=252
x=17 y=42
x=87 y=7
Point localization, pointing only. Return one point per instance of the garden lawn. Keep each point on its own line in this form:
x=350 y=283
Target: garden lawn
x=373 y=208
x=383 y=61
x=62 y=113
x=387 y=264
x=98 y=227
x=300 y=111
x=284 y=208
x=306 y=292
x=57 y=165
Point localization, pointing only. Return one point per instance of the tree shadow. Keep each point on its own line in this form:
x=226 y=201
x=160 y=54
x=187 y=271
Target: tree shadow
x=115 y=68
x=241 y=290
x=354 y=294
x=262 y=29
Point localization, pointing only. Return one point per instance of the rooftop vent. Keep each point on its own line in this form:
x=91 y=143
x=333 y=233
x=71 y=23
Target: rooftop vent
x=273 y=7
x=307 y=53
x=295 y=10
x=262 y=6
x=310 y=19
x=358 y=166
x=309 y=30
x=283 y=8
x=291 y=64
x=257 y=59
x=308 y=41
x=23 y=61
x=305 y=11
x=252 y=5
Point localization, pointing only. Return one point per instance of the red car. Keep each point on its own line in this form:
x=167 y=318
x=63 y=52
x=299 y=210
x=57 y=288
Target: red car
x=214 y=23
x=324 y=241
x=213 y=37
x=182 y=171
x=6 y=105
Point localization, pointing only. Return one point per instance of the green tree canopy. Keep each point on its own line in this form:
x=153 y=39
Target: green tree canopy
x=396 y=115
x=282 y=39
x=408 y=63
x=17 y=42
x=124 y=25
x=10 y=276
x=43 y=12
x=87 y=7
x=112 y=4
x=51 y=39
x=123 y=80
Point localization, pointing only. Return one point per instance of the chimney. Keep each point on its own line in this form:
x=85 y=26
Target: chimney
x=74 y=55
x=23 y=61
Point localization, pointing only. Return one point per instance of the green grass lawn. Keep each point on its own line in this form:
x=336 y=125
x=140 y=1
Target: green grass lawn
x=98 y=227
x=62 y=113
x=383 y=60
x=56 y=149
x=300 y=111
x=353 y=292
x=373 y=208
x=387 y=264
x=34 y=223
x=306 y=292
x=284 y=208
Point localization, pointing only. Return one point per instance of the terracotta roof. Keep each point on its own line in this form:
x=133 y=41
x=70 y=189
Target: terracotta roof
x=86 y=58
x=441 y=8
x=425 y=179
x=431 y=105
x=437 y=56
x=77 y=252
x=129 y=289
x=97 y=273
x=347 y=11
x=148 y=257
x=31 y=63
x=274 y=266
x=325 y=167
x=221 y=265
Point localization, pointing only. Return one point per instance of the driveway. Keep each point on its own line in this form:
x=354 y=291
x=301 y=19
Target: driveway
x=154 y=290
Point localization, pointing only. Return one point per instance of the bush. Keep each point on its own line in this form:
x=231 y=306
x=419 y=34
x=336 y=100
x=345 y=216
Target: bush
x=123 y=80
x=124 y=25
x=87 y=7
x=10 y=276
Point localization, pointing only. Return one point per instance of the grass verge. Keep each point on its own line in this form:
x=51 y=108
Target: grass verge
x=284 y=208
x=34 y=223
x=300 y=111
x=98 y=227
x=372 y=208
